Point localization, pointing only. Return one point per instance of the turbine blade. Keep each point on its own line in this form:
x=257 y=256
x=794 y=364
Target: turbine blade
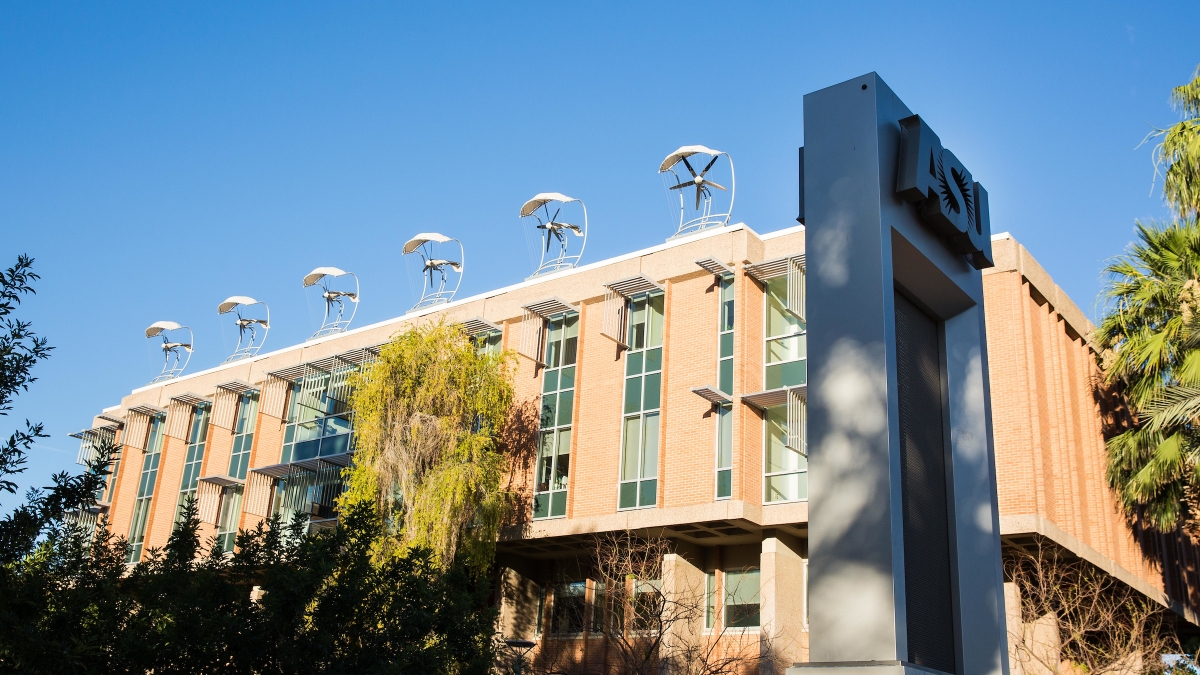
x=699 y=189
x=714 y=161
x=681 y=185
x=689 y=167
x=709 y=182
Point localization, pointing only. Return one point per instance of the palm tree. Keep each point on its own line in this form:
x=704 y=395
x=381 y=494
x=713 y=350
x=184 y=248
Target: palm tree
x=1150 y=337
x=1178 y=155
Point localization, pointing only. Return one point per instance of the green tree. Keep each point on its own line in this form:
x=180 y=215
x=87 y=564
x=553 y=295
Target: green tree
x=284 y=602
x=1150 y=335
x=1178 y=154
x=429 y=416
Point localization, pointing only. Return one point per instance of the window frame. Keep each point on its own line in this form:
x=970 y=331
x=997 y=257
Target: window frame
x=722 y=409
x=801 y=332
x=726 y=598
x=559 y=429
x=330 y=416
x=766 y=448
x=643 y=413
x=240 y=454
x=193 y=459
x=147 y=479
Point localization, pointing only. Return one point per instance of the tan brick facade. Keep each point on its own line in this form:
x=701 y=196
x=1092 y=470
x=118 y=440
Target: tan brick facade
x=1047 y=425
x=1048 y=439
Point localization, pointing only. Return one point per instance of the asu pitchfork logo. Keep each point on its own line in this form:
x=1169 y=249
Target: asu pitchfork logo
x=947 y=199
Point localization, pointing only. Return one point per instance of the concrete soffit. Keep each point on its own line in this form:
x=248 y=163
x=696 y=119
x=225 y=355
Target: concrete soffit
x=1033 y=523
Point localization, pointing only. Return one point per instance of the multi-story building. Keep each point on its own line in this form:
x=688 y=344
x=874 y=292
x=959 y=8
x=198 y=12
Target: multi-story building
x=671 y=383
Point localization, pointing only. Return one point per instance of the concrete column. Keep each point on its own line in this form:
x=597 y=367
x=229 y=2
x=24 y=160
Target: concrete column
x=519 y=595
x=684 y=589
x=782 y=595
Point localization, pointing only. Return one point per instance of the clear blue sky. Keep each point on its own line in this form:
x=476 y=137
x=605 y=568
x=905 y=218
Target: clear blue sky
x=158 y=157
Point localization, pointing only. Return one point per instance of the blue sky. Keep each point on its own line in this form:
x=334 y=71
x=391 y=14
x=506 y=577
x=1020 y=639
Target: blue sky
x=158 y=157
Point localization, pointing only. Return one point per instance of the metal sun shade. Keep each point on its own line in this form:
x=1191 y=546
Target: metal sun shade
x=791 y=266
x=616 y=305
x=796 y=400
x=91 y=439
x=712 y=395
x=533 y=325
x=712 y=266
x=477 y=325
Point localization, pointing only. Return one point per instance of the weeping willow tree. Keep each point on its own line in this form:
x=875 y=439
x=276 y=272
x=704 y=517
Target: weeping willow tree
x=429 y=417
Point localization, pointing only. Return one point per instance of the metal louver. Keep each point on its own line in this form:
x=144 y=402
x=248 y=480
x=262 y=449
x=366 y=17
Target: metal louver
x=616 y=305
x=91 y=439
x=208 y=501
x=224 y=407
x=179 y=414
x=713 y=266
x=533 y=325
x=257 y=500
x=137 y=428
x=477 y=325
x=796 y=287
x=616 y=309
x=797 y=422
x=274 y=396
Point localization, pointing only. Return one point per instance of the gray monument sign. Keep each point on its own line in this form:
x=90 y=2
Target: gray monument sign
x=905 y=571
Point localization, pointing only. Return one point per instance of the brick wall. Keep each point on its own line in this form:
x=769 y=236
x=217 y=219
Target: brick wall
x=1047 y=426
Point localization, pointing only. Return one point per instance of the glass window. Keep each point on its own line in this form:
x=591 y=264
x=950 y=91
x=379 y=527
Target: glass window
x=742 y=599
x=725 y=336
x=227 y=522
x=318 y=417
x=598 y=604
x=724 y=451
x=785 y=470
x=710 y=599
x=305 y=492
x=638 y=486
x=194 y=459
x=145 y=490
x=243 y=435
x=570 y=605
x=553 y=469
x=487 y=343
x=786 y=348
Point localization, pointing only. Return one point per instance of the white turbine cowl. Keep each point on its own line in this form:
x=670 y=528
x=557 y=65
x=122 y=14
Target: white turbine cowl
x=158 y=327
x=321 y=272
x=544 y=198
x=233 y=301
x=423 y=238
x=686 y=151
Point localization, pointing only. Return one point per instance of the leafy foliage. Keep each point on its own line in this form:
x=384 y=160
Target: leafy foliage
x=429 y=415
x=284 y=602
x=1178 y=154
x=1150 y=335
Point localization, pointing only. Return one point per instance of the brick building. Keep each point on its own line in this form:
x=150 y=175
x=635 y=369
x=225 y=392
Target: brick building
x=672 y=383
